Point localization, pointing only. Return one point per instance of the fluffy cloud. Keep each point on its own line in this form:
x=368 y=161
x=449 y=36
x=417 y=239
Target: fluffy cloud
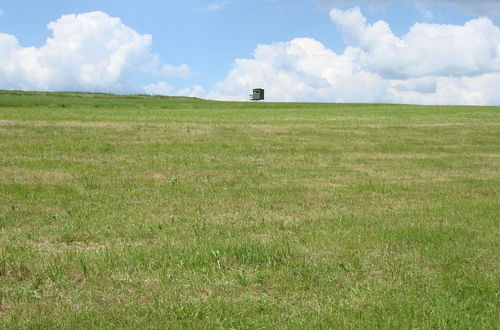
x=159 y=88
x=432 y=64
x=89 y=52
x=301 y=70
x=163 y=88
x=427 y=50
x=194 y=91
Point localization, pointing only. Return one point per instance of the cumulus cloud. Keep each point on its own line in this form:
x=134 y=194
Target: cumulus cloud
x=159 y=88
x=301 y=70
x=431 y=64
x=163 y=88
x=426 y=50
x=89 y=52
x=194 y=91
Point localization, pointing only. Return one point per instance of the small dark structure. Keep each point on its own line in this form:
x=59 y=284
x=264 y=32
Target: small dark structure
x=257 y=94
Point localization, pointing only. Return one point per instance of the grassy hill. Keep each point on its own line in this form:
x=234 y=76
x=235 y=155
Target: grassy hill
x=165 y=212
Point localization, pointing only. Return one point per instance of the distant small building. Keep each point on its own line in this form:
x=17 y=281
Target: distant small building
x=257 y=94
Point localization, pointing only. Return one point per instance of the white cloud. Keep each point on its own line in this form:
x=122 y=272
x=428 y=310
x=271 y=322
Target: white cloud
x=301 y=70
x=1 y=12
x=476 y=90
x=160 y=88
x=194 y=91
x=87 y=52
x=163 y=88
x=182 y=71
x=426 y=50
x=432 y=64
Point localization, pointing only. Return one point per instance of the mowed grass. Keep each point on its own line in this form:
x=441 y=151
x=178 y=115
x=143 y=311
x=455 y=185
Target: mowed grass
x=149 y=212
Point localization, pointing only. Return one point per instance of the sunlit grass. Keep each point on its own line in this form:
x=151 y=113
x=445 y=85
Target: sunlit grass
x=174 y=212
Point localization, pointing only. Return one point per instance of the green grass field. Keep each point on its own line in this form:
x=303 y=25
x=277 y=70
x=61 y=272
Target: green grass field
x=148 y=212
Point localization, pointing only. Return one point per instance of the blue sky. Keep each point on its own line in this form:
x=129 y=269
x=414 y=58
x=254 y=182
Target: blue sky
x=299 y=50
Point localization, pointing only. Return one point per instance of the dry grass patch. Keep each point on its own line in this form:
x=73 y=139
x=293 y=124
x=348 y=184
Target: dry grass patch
x=40 y=123
x=30 y=176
